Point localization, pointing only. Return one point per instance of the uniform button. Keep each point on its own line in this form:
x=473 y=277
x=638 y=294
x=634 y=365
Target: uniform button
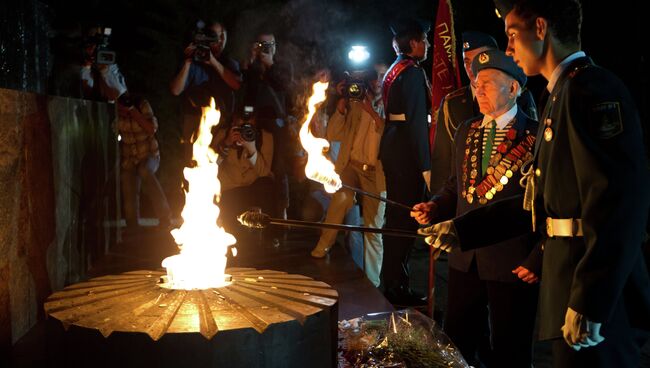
x=538 y=172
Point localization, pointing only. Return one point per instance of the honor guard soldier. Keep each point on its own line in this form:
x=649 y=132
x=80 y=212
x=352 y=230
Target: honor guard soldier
x=461 y=105
x=587 y=187
x=404 y=151
x=498 y=283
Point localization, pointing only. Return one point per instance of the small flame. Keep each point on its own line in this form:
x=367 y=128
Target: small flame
x=318 y=167
x=203 y=245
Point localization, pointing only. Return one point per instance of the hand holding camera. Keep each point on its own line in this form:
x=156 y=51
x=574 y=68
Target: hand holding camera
x=96 y=50
x=201 y=44
x=244 y=134
x=262 y=52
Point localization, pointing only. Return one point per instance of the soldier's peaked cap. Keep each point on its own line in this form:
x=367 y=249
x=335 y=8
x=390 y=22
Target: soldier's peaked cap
x=473 y=40
x=496 y=59
x=404 y=25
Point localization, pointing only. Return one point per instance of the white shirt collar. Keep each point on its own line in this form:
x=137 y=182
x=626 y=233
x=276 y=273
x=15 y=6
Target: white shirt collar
x=561 y=67
x=502 y=120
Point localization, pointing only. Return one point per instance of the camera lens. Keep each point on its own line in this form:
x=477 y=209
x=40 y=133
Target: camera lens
x=355 y=90
x=247 y=132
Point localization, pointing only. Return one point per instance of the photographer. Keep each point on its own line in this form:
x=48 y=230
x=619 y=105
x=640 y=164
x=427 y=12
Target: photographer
x=358 y=124
x=245 y=153
x=206 y=72
x=265 y=88
x=86 y=69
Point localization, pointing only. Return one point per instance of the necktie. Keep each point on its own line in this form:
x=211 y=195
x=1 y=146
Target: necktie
x=487 y=152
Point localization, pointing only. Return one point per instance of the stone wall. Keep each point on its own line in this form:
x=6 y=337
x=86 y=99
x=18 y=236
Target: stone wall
x=57 y=192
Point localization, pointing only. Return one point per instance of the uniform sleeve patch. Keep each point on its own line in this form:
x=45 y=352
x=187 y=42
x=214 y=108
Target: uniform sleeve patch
x=607 y=120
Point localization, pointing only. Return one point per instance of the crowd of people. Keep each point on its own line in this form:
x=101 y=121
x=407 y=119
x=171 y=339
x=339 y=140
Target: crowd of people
x=580 y=161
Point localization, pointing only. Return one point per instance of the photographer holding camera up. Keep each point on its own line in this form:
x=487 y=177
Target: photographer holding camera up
x=266 y=84
x=206 y=72
x=101 y=79
x=358 y=124
x=245 y=153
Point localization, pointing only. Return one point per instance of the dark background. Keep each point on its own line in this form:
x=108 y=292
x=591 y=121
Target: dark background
x=38 y=37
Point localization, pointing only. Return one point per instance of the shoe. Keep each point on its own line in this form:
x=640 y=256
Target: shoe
x=320 y=252
x=404 y=297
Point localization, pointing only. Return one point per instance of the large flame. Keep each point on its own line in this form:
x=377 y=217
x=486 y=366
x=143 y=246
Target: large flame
x=203 y=245
x=318 y=167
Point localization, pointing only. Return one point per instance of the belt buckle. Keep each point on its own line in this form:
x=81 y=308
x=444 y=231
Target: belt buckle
x=364 y=167
x=549 y=227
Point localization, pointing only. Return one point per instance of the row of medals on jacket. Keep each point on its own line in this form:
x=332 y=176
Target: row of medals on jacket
x=500 y=168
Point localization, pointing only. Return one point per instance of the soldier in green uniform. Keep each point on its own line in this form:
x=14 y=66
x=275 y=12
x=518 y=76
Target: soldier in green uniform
x=587 y=186
x=461 y=105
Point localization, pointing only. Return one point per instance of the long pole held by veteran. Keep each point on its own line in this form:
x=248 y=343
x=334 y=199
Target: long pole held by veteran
x=258 y=220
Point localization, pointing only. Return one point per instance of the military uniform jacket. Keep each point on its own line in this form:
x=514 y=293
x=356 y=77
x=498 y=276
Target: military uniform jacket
x=494 y=263
x=405 y=142
x=456 y=108
x=592 y=166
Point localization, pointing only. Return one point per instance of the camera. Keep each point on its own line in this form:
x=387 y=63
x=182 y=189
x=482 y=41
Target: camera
x=247 y=131
x=202 y=39
x=266 y=46
x=103 y=55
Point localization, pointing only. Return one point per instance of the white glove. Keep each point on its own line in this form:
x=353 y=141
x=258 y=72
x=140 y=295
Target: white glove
x=441 y=235
x=579 y=332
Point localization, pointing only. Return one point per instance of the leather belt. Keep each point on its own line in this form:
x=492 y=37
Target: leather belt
x=362 y=166
x=563 y=227
x=396 y=117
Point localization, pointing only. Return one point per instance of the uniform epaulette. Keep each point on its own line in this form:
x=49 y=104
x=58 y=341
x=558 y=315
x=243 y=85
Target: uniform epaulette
x=456 y=93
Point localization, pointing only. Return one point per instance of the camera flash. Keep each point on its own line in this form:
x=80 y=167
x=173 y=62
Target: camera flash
x=358 y=54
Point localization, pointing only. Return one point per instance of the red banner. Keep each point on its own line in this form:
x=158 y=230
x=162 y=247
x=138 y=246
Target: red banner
x=445 y=76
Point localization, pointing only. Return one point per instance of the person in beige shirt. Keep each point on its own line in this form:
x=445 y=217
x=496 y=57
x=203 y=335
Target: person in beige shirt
x=358 y=124
x=245 y=156
x=140 y=159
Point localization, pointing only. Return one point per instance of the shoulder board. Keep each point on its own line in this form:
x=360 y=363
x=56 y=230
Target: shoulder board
x=577 y=70
x=456 y=93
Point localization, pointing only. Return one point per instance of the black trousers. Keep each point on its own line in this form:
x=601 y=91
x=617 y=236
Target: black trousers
x=404 y=186
x=509 y=307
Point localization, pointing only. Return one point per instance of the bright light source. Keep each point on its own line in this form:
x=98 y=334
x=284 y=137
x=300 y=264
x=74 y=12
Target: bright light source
x=358 y=54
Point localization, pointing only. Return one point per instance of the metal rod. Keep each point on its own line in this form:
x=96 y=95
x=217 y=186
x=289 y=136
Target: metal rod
x=325 y=225
x=378 y=197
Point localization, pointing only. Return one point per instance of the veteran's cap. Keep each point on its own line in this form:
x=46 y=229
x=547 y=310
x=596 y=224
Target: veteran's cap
x=474 y=39
x=497 y=59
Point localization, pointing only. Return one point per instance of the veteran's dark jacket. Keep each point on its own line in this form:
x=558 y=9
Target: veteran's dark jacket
x=594 y=168
x=456 y=108
x=496 y=262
